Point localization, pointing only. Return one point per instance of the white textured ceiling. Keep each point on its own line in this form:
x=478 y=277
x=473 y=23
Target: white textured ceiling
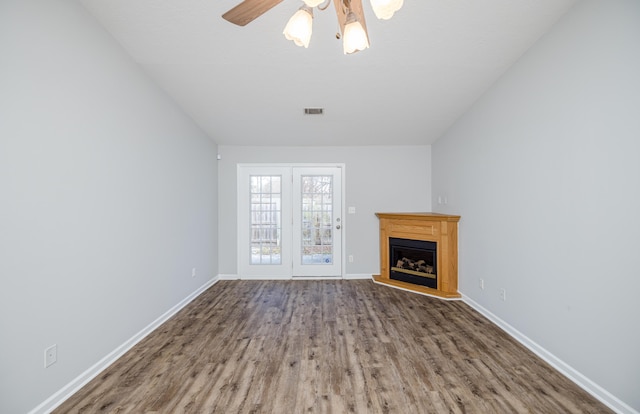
x=249 y=85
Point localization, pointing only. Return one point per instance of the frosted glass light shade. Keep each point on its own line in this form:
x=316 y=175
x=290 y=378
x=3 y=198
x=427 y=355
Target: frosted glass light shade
x=354 y=38
x=312 y=3
x=299 y=27
x=384 y=9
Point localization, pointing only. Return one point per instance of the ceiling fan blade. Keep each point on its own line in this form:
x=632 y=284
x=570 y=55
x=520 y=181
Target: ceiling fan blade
x=249 y=10
x=356 y=8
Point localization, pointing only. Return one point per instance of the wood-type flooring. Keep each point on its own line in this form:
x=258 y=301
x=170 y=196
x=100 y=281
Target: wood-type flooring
x=328 y=347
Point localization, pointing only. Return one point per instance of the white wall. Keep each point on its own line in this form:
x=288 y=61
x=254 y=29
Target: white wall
x=390 y=178
x=545 y=172
x=107 y=199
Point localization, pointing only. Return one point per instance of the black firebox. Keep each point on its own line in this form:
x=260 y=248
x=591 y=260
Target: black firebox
x=413 y=261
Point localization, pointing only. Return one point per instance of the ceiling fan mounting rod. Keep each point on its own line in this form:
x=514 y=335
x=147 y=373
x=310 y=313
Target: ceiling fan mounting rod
x=346 y=6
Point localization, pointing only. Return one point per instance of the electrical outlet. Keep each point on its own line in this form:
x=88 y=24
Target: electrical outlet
x=193 y=272
x=50 y=355
x=503 y=294
x=350 y=258
x=481 y=283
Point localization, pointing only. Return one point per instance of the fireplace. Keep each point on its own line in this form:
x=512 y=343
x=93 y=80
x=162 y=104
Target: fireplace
x=419 y=252
x=413 y=261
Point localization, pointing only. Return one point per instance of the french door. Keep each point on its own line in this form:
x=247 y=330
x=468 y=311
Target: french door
x=289 y=221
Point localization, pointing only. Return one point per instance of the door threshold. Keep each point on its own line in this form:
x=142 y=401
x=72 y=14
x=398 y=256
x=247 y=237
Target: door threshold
x=316 y=277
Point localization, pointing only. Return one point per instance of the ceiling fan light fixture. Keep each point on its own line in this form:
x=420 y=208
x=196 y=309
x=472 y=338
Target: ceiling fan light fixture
x=313 y=3
x=384 y=9
x=355 y=38
x=299 y=27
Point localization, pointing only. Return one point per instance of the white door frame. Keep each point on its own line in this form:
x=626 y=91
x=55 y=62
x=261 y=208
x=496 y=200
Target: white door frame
x=331 y=269
x=242 y=228
x=268 y=271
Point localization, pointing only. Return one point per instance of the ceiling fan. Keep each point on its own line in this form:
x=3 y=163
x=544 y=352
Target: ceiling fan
x=353 y=28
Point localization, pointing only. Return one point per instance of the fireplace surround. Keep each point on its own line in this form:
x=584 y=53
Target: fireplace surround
x=419 y=252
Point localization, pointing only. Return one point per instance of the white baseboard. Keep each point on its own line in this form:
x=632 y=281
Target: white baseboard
x=585 y=383
x=298 y=278
x=579 y=379
x=262 y=277
x=71 y=388
x=351 y=276
x=357 y=276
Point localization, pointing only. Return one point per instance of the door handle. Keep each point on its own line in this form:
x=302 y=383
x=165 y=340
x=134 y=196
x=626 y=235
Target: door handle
x=338 y=227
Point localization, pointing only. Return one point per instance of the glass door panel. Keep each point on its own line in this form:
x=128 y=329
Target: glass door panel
x=266 y=219
x=317 y=216
x=264 y=222
x=317 y=230
x=289 y=221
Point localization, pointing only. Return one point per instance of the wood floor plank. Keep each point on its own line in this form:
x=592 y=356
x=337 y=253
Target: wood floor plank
x=328 y=347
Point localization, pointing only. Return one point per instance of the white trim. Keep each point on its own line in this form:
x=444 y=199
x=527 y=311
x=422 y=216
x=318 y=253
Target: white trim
x=265 y=277
x=316 y=278
x=351 y=276
x=343 y=215
x=357 y=276
x=336 y=267
x=80 y=381
x=243 y=230
x=239 y=183
x=579 y=379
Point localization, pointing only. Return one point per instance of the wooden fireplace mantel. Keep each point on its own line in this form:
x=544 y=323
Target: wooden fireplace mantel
x=435 y=227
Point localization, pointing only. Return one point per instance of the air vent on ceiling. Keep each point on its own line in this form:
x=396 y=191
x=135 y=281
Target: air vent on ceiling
x=313 y=111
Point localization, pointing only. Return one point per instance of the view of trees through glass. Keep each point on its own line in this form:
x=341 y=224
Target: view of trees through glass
x=317 y=219
x=266 y=217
